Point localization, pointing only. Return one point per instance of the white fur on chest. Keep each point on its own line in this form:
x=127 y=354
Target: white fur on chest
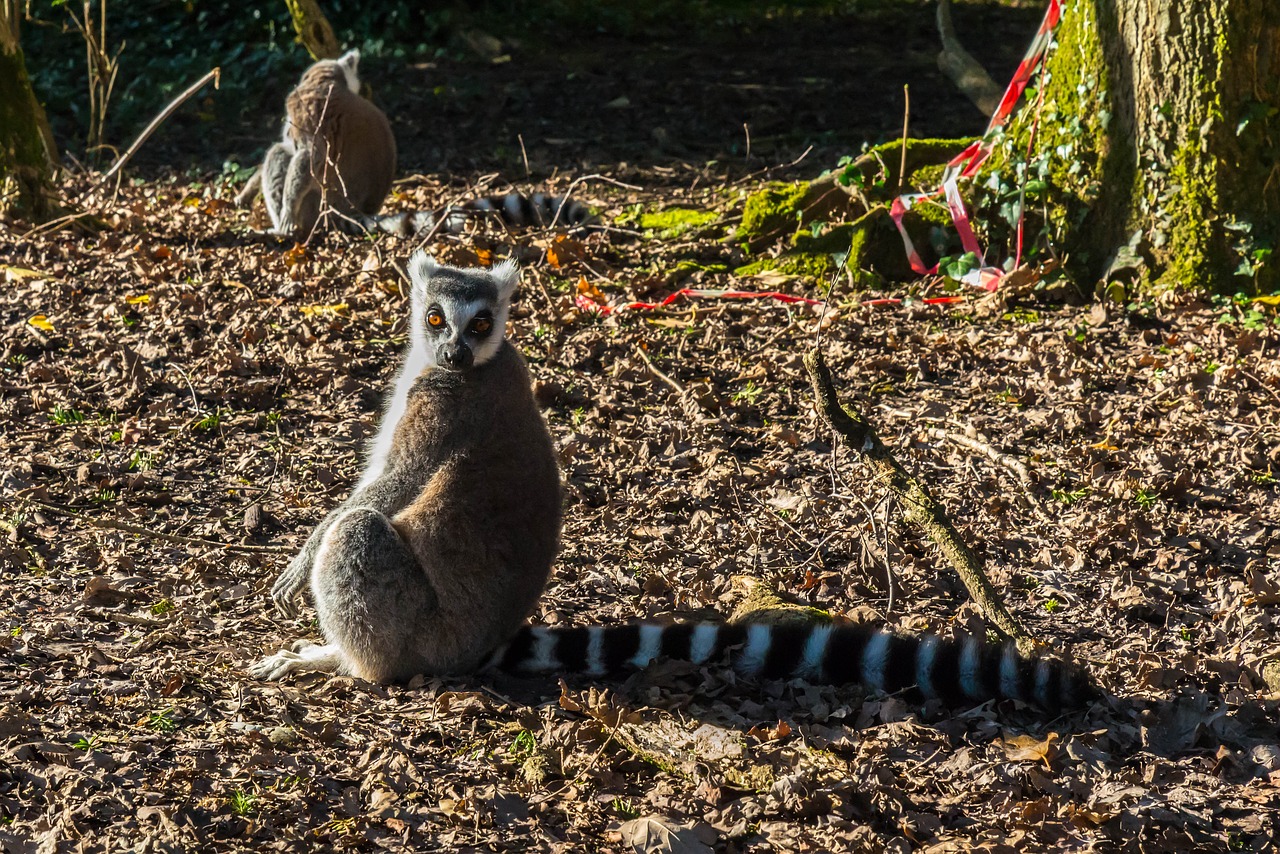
x=380 y=448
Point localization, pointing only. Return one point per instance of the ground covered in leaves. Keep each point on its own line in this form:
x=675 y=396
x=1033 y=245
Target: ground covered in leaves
x=180 y=399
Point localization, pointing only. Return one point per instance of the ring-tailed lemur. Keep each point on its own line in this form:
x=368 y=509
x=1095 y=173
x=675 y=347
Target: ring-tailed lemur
x=338 y=153
x=338 y=157
x=443 y=549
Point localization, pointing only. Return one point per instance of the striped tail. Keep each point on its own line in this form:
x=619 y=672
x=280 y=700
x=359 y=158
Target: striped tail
x=514 y=209
x=957 y=672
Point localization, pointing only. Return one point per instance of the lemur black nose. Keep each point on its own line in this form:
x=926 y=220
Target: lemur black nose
x=456 y=356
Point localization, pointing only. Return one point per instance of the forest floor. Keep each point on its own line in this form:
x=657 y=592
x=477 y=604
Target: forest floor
x=182 y=398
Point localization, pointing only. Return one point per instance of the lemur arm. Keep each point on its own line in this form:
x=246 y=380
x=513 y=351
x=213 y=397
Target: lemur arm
x=284 y=593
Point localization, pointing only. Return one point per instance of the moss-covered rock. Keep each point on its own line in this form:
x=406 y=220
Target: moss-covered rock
x=772 y=212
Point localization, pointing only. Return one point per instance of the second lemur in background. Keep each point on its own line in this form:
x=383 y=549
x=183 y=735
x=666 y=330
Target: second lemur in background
x=337 y=157
x=337 y=160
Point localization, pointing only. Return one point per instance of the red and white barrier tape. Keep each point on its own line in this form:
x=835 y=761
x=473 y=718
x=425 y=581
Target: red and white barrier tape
x=966 y=164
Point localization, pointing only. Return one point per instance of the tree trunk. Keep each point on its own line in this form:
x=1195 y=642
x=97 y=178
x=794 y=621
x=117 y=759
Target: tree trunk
x=1159 y=144
x=314 y=30
x=27 y=153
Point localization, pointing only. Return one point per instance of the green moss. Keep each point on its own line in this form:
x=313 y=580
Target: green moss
x=694 y=267
x=1192 y=210
x=771 y=212
x=804 y=265
x=876 y=253
x=926 y=161
x=673 y=222
x=754 y=778
x=833 y=241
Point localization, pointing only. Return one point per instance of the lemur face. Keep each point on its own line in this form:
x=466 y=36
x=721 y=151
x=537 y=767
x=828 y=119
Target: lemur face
x=462 y=334
x=459 y=317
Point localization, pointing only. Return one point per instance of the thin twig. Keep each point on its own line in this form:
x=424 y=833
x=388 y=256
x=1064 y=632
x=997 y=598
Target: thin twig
x=906 y=124
x=689 y=403
x=115 y=525
x=679 y=389
x=215 y=75
x=1000 y=458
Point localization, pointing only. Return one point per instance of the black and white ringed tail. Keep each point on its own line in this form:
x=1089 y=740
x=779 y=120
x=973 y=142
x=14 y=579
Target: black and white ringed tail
x=959 y=672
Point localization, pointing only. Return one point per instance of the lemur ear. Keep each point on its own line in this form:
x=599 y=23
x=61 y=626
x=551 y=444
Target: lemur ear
x=506 y=276
x=350 y=59
x=421 y=268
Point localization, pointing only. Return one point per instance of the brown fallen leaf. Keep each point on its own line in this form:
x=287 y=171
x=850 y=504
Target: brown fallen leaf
x=1028 y=748
x=764 y=732
x=653 y=835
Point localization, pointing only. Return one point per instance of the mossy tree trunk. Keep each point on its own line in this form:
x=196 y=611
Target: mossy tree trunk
x=314 y=30
x=1158 y=141
x=27 y=154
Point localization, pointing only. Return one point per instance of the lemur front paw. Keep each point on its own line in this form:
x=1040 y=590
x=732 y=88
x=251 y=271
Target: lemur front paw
x=284 y=593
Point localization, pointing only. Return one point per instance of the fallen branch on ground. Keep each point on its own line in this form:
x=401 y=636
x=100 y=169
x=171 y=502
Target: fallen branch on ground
x=1000 y=458
x=919 y=507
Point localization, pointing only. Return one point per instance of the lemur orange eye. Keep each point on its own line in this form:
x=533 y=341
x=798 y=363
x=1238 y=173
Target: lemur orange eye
x=481 y=325
x=435 y=319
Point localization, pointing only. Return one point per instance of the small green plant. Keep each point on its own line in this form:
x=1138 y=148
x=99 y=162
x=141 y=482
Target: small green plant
x=88 y=742
x=210 y=421
x=161 y=721
x=342 y=826
x=523 y=745
x=1187 y=634
x=1007 y=396
x=142 y=461
x=242 y=802
x=624 y=807
x=65 y=415
x=104 y=496
x=1052 y=605
x=1023 y=315
x=1069 y=496
x=16 y=631
x=288 y=784
x=748 y=392
x=1144 y=499
x=161 y=608
x=578 y=416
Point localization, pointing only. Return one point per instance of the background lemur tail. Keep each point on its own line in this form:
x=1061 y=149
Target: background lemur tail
x=514 y=209
x=957 y=672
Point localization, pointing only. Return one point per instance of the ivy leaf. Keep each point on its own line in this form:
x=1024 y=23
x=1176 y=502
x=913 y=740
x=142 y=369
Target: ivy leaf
x=956 y=268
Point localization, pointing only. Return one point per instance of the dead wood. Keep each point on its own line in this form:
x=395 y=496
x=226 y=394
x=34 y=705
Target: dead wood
x=957 y=63
x=920 y=509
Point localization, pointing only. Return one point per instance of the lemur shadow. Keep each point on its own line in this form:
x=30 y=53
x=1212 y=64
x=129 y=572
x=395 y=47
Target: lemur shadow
x=692 y=717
